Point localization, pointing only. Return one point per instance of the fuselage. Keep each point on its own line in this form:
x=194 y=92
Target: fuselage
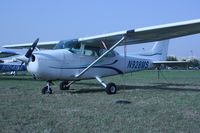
x=62 y=64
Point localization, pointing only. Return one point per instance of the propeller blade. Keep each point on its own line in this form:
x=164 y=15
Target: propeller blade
x=30 y=50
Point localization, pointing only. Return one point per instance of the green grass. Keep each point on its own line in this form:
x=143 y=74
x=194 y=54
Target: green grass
x=171 y=104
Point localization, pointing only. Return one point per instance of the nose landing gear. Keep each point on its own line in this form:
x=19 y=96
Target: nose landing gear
x=47 y=88
x=64 y=85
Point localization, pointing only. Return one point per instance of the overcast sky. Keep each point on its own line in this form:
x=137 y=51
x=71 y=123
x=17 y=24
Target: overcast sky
x=23 y=21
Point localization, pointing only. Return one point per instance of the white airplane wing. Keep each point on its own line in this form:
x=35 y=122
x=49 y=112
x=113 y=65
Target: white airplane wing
x=147 y=34
x=135 y=36
x=45 y=45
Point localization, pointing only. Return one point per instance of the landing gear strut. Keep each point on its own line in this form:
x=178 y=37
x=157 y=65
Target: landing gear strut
x=110 y=88
x=64 y=85
x=47 y=88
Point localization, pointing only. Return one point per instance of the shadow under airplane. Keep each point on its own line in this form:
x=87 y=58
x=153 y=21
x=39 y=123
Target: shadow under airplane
x=155 y=86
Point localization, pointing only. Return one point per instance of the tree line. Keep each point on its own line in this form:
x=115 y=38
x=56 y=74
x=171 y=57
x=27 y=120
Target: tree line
x=192 y=63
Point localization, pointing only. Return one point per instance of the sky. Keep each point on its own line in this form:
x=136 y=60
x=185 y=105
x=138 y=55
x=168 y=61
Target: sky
x=22 y=21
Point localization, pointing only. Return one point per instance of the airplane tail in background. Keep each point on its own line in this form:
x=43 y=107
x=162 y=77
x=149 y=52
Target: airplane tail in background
x=158 y=52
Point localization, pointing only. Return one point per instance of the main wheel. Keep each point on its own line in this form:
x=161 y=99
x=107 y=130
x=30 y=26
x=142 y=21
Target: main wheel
x=63 y=85
x=45 y=90
x=111 y=88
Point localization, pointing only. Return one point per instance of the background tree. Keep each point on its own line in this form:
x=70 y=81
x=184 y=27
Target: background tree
x=194 y=62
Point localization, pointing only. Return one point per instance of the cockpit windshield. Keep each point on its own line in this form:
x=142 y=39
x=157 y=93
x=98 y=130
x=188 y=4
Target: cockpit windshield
x=72 y=45
x=68 y=44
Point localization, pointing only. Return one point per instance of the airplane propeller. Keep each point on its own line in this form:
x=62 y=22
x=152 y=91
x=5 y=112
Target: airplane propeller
x=30 y=50
x=25 y=58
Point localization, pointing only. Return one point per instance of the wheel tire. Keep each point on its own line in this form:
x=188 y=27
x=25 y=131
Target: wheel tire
x=63 y=85
x=111 y=88
x=45 y=90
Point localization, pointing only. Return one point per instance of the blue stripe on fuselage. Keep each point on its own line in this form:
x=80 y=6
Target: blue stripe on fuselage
x=108 y=67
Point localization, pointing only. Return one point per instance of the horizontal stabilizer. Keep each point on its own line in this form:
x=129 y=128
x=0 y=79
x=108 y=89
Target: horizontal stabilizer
x=170 y=62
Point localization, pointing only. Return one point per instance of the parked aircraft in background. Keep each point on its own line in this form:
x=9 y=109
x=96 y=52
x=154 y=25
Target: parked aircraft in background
x=94 y=57
x=4 y=54
x=10 y=65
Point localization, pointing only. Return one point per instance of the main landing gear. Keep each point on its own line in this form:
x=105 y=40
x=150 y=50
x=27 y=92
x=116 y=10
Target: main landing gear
x=64 y=85
x=110 y=88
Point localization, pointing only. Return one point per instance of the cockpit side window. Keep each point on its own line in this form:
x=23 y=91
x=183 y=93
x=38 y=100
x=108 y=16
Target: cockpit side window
x=95 y=51
x=75 y=48
x=90 y=51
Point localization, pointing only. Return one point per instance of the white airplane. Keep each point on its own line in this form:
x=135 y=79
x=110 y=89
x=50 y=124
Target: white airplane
x=94 y=57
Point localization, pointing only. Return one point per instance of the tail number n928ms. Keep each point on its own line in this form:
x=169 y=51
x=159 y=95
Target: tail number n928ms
x=138 y=64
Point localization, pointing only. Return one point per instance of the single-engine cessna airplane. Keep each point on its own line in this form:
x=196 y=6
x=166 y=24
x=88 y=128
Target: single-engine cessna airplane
x=94 y=57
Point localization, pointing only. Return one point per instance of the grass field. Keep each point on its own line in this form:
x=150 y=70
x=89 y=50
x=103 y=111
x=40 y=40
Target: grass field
x=171 y=104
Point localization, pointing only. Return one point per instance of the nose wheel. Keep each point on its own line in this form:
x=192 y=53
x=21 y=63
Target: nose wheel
x=47 y=88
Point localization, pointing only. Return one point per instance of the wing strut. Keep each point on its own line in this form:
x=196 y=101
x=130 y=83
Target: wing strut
x=94 y=62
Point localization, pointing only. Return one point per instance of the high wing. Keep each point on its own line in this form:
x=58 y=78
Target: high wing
x=135 y=36
x=147 y=34
x=44 y=45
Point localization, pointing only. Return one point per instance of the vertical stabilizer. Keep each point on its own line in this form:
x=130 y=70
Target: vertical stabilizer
x=158 y=52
